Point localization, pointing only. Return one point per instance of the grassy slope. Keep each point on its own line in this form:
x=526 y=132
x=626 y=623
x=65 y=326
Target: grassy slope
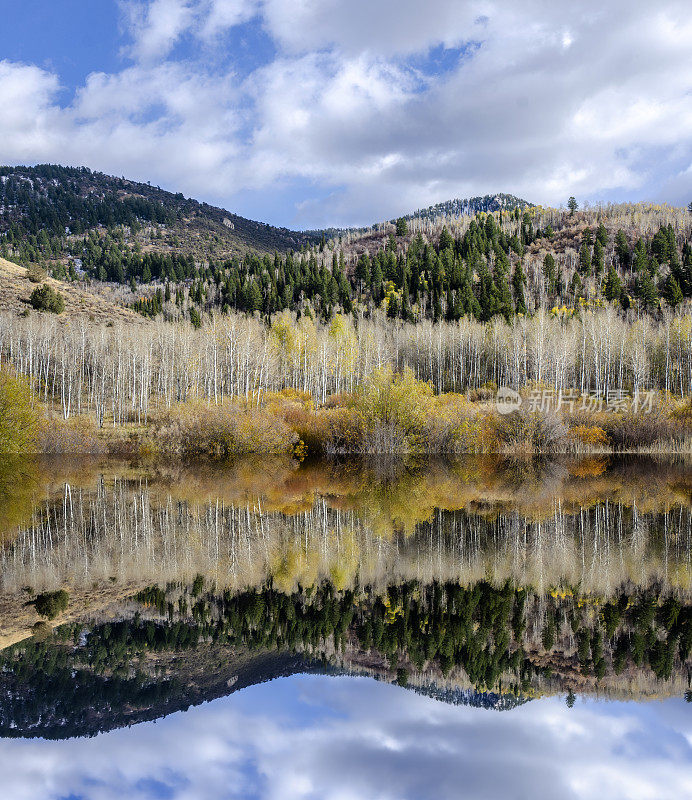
x=15 y=289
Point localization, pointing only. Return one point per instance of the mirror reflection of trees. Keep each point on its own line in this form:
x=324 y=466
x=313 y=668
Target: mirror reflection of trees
x=128 y=591
x=585 y=524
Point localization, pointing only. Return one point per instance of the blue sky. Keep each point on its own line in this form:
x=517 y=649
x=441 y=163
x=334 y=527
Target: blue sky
x=326 y=738
x=308 y=113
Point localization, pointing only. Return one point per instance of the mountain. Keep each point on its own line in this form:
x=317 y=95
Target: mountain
x=161 y=254
x=49 y=201
x=51 y=693
x=470 y=206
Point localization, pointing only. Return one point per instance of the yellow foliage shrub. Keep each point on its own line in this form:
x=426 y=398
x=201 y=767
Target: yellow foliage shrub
x=20 y=421
x=590 y=435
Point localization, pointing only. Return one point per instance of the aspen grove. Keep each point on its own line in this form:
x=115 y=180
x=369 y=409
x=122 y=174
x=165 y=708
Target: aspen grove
x=119 y=373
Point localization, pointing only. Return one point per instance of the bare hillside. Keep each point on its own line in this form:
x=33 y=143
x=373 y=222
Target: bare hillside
x=15 y=289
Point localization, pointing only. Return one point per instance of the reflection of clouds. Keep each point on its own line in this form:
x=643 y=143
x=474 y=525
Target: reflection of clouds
x=342 y=738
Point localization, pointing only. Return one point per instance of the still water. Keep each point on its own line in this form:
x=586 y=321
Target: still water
x=381 y=629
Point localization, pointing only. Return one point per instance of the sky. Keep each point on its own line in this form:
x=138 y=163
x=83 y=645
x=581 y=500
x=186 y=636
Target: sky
x=327 y=738
x=309 y=113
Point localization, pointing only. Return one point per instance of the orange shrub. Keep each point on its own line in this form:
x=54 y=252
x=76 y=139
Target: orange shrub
x=590 y=435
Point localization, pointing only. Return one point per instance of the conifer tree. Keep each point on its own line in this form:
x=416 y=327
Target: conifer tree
x=646 y=290
x=613 y=285
x=518 y=284
x=671 y=292
x=585 y=259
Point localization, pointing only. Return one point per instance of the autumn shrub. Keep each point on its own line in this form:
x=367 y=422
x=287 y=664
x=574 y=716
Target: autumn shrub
x=339 y=400
x=20 y=419
x=589 y=435
x=309 y=426
x=393 y=411
x=454 y=425
x=531 y=431
x=75 y=435
x=346 y=432
x=36 y=274
x=198 y=428
x=289 y=395
x=631 y=431
x=484 y=393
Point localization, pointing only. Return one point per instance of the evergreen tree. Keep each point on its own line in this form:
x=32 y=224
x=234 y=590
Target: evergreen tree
x=671 y=292
x=622 y=249
x=445 y=240
x=597 y=261
x=518 y=284
x=549 y=271
x=585 y=259
x=646 y=290
x=572 y=205
x=195 y=318
x=501 y=280
x=613 y=285
x=362 y=272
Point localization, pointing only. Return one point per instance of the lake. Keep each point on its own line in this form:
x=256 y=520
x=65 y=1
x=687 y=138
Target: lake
x=380 y=628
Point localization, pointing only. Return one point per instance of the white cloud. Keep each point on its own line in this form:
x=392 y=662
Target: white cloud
x=543 y=100
x=157 y=25
x=337 y=739
x=218 y=16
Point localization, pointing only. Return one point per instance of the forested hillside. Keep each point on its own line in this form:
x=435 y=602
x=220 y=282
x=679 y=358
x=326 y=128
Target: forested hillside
x=508 y=643
x=471 y=206
x=494 y=256
x=47 y=211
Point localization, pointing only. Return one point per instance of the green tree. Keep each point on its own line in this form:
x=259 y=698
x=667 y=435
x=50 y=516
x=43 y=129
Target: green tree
x=572 y=205
x=549 y=271
x=622 y=249
x=195 y=318
x=51 y=604
x=585 y=259
x=518 y=284
x=598 y=258
x=612 y=288
x=671 y=292
x=401 y=227
x=45 y=298
x=646 y=290
x=362 y=272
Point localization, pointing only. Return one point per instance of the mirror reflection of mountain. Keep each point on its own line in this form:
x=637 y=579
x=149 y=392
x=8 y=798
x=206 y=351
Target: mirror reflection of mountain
x=478 y=581
x=482 y=645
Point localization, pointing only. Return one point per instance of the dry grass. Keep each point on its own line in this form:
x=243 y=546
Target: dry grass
x=17 y=283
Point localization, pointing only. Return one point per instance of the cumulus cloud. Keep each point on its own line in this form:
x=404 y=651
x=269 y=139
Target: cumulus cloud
x=342 y=738
x=156 y=26
x=381 y=108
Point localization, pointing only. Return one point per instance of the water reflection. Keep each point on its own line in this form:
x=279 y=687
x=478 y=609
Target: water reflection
x=488 y=585
x=591 y=524
x=331 y=738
